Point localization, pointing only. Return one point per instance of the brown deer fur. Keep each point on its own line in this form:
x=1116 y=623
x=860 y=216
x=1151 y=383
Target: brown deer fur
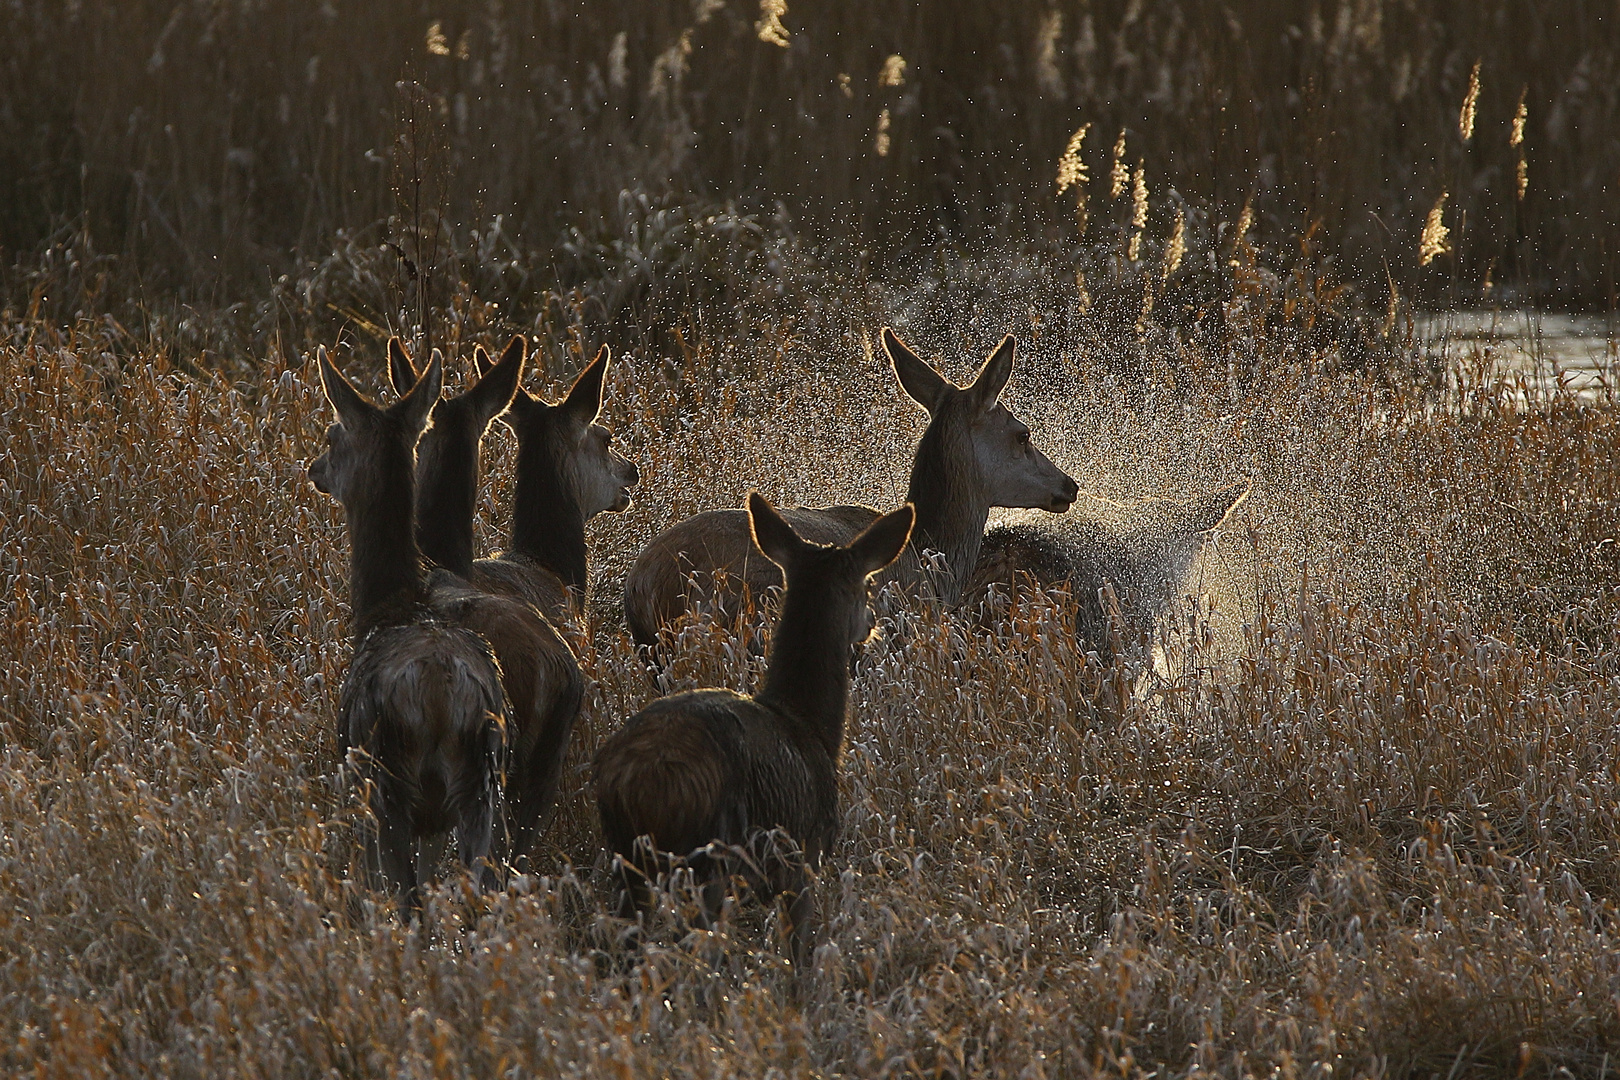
x=716 y=778
x=974 y=454
x=542 y=677
x=422 y=699
x=567 y=473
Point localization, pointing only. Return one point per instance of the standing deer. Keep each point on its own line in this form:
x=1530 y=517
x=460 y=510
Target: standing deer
x=567 y=473
x=1141 y=564
x=541 y=675
x=712 y=776
x=422 y=697
x=974 y=454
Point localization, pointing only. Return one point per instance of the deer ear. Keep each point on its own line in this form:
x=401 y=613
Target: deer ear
x=351 y=406
x=401 y=372
x=993 y=377
x=481 y=361
x=413 y=409
x=584 y=401
x=772 y=534
x=497 y=383
x=884 y=539
x=921 y=382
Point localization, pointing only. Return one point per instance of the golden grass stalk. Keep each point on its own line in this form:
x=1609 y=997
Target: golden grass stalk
x=1139 y=209
x=1465 y=117
x=1434 y=242
x=1122 y=172
x=880 y=140
x=1071 y=166
x=769 y=28
x=437 y=43
x=1520 y=115
x=893 y=72
x=1176 y=249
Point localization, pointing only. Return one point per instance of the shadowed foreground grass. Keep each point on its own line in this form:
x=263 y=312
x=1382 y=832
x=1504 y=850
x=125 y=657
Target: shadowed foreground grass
x=1363 y=815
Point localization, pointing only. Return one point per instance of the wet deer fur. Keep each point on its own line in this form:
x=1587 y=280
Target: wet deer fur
x=422 y=699
x=715 y=778
x=974 y=455
x=541 y=675
x=1128 y=572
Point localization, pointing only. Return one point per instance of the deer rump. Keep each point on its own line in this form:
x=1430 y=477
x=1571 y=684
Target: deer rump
x=714 y=767
x=718 y=543
x=424 y=701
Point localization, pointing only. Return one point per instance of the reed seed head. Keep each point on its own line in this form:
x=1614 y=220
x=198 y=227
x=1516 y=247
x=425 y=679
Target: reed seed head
x=1071 y=166
x=1465 y=117
x=894 y=71
x=769 y=27
x=1122 y=172
x=880 y=141
x=1434 y=242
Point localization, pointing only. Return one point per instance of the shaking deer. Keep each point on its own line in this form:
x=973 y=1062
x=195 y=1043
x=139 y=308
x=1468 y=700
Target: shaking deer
x=1141 y=564
x=567 y=473
x=540 y=673
x=974 y=454
x=712 y=777
x=422 y=697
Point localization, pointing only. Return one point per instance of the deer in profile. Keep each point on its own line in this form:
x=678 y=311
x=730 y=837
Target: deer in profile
x=567 y=473
x=712 y=778
x=974 y=455
x=1130 y=572
x=422 y=698
x=540 y=672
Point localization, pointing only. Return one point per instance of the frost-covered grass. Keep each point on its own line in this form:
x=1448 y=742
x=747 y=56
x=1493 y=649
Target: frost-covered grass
x=1364 y=814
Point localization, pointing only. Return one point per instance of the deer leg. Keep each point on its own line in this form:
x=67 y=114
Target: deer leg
x=800 y=897
x=391 y=853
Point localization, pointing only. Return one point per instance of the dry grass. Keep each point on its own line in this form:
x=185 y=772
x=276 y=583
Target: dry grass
x=1360 y=817
x=1363 y=815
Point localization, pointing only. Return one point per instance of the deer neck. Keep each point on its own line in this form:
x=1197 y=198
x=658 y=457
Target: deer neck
x=447 y=479
x=548 y=526
x=807 y=673
x=951 y=509
x=385 y=567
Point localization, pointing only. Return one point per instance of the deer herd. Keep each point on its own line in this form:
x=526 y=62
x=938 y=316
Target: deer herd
x=464 y=688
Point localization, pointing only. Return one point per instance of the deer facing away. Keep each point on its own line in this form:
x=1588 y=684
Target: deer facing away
x=714 y=777
x=541 y=675
x=567 y=473
x=974 y=455
x=422 y=698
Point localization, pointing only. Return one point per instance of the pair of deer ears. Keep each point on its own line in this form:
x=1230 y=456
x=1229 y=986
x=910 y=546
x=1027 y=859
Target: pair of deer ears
x=878 y=546
x=931 y=390
x=354 y=409
x=499 y=384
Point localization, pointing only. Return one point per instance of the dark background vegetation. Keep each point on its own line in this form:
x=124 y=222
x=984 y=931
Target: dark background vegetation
x=185 y=156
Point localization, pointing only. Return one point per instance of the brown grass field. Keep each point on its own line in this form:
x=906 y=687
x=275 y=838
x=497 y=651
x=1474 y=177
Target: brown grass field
x=1359 y=815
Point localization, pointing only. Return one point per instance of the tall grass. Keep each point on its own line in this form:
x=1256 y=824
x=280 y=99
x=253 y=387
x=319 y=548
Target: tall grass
x=1358 y=815
x=213 y=147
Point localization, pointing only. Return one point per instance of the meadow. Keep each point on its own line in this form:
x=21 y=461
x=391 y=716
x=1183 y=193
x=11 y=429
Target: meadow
x=1357 y=812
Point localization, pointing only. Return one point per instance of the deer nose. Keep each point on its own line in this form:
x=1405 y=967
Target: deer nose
x=635 y=474
x=1071 y=489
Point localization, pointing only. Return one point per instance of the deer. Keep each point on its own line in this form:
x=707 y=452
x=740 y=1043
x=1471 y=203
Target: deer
x=422 y=700
x=973 y=455
x=539 y=670
x=712 y=779
x=567 y=473
x=1129 y=573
